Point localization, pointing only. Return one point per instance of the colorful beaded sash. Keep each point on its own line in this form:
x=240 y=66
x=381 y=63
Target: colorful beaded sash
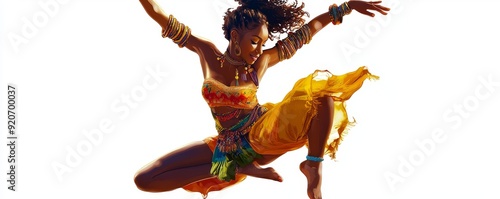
x=232 y=149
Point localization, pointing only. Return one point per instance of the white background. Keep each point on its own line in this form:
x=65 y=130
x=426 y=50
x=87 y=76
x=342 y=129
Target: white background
x=81 y=57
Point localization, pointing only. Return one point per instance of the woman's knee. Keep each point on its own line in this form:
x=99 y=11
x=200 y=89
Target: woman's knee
x=142 y=180
x=325 y=101
x=145 y=182
x=326 y=104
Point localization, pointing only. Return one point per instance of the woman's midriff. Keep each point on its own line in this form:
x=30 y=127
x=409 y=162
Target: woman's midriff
x=231 y=122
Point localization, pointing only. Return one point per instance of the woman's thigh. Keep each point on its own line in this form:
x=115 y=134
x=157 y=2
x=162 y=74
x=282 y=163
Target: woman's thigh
x=194 y=154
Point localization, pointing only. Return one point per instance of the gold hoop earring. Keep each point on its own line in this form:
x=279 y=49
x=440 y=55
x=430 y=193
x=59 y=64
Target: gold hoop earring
x=237 y=50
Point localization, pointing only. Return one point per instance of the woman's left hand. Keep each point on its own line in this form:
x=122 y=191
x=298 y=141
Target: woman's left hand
x=364 y=7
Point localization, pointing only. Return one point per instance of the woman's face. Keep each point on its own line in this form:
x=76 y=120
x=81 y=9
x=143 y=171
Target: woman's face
x=251 y=42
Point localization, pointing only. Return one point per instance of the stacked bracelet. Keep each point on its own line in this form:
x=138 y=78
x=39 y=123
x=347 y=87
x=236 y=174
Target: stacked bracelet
x=294 y=41
x=178 y=32
x=338 y=12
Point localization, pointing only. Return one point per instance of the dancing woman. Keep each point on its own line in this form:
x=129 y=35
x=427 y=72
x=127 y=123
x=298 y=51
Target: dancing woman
x=251 y=134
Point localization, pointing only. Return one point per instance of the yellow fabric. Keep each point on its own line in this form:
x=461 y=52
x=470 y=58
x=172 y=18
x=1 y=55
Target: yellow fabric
x=284 y=126
x=217 y=94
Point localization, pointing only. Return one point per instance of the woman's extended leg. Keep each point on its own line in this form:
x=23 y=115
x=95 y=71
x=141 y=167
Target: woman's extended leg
x=317 y=136
x=186 y=165
x=176 y=169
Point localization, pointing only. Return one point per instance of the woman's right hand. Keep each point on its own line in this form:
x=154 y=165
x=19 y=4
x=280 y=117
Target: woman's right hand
x=364 y=7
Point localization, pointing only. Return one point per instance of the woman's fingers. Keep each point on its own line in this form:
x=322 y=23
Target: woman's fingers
x=380 y=9
x=366 y=12
x=375 y=6
x=365 y=7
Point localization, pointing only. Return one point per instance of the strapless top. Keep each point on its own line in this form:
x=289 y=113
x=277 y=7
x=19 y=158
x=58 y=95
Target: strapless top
x=217 y=94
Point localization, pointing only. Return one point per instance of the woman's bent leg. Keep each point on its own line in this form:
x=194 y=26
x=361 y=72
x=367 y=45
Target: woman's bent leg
x=176 y=169
x=255 y=170
x=266 y=159
x=317 y=135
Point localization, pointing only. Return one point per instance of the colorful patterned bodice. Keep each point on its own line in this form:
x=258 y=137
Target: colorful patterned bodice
x=218 y=94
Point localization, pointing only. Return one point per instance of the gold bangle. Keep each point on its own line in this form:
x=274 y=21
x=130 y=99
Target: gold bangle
x=185 y=38
x=184 y=31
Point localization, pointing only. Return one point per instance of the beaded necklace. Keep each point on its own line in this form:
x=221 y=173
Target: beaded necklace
x=248 y=68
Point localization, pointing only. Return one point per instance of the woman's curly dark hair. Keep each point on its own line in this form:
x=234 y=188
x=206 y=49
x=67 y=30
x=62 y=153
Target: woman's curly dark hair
x=279 y=16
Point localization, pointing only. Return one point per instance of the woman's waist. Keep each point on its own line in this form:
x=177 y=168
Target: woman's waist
x=231 y=119
x=228 y=117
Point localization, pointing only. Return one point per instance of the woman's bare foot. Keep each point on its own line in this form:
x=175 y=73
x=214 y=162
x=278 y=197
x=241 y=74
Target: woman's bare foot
x=312 y=171
x=259 y=172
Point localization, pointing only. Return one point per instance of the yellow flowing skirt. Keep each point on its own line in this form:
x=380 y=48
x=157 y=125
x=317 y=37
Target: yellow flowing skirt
x=285 y=125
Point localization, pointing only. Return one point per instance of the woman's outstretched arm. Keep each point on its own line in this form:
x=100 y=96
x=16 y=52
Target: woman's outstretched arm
x=285 y=50
x=181 y=36
x=155 y=12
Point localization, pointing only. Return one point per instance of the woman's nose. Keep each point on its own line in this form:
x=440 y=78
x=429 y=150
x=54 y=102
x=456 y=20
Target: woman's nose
x=259 y=50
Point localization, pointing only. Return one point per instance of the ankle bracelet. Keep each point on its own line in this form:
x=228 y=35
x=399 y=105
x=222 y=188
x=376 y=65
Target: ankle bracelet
x=314 y=159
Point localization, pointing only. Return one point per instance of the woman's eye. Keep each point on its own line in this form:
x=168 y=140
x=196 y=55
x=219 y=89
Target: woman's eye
x=254 y=42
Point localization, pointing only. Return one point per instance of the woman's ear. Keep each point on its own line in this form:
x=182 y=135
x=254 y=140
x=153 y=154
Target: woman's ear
x=235 y=36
